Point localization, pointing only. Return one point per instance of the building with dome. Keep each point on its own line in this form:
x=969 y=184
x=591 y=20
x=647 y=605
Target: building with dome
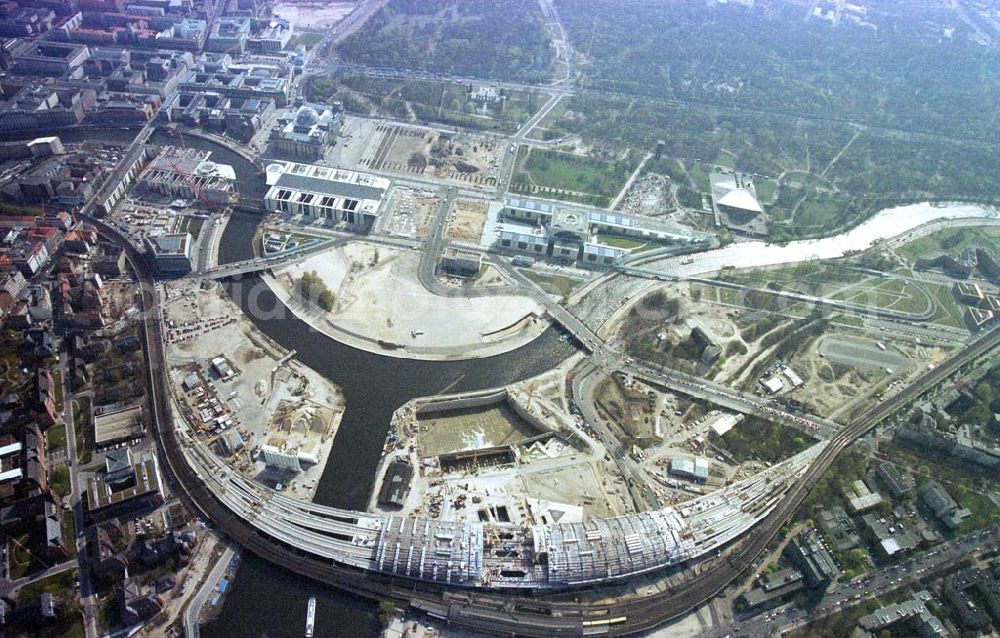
x=305 y=133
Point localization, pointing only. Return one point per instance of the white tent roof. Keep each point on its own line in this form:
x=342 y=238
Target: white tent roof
x=742 y=199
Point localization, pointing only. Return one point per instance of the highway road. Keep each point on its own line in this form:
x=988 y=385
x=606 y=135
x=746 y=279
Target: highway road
x=490 y=612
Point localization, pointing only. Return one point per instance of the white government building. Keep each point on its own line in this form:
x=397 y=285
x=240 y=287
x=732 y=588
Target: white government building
x=322 y=193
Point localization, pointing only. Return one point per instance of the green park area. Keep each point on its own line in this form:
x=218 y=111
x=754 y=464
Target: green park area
x=428 y=101
x=583 y=179
x=951 y=241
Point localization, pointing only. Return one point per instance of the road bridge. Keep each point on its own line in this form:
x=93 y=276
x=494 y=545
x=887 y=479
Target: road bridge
x=509 y=613
x=259 y=264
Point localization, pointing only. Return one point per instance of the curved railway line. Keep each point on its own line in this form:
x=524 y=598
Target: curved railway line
x=520 y=614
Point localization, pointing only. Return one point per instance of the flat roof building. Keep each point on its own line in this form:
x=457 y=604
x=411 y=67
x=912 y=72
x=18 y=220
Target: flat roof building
x=188 y=173
x=279 y=460
x=460 y=263
x=112 y=495
x=694 y=468
x=889 y=536
x=322 y=193
x=171 y=252
x=569 y=232
x=51 y=59
x=912 y=614
x=812 y=558
x=896 y=482
x=229 y=35
x=114 y=424
x=396 y=484
x=860 y=498
x=944 y=507
x=270 y=36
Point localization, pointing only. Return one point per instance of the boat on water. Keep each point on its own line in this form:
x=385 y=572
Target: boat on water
x=311 y=617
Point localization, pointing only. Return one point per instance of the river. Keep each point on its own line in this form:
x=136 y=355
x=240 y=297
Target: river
x=887 y=223
x=268 y=601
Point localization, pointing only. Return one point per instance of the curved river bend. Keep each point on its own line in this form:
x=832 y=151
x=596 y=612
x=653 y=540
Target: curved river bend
x=267 y=601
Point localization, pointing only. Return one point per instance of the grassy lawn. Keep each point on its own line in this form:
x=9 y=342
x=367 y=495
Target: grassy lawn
x=765 y=189
x=548 y=128
x=69 y=529
x=985 y=514
x=887 y=294
x=948 y=311
x=635 y=245
x=192 y=225
x=952 y=241
x=53 y=584
x=19 y=555
x=309 y=39
x=726 y=160
x=58 y=381
x=82 y=423
x=56 y=437
x=819 y=212
x=590 y=180
x=699 y=177
x=556 y=284
x=59 y=480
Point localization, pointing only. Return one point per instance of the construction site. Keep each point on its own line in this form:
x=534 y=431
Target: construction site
x=380 y=301
x=467 y=220
x=509 y=455
x=251 y=402
x=465 y=158
x=409 y=211
x=831 y=365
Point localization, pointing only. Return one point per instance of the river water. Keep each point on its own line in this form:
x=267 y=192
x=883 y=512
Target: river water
x=887 y=223
x=268 y=601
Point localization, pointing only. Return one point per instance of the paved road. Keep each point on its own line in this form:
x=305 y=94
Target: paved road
x=9 y=588
x=191 y=626
x=486 y=612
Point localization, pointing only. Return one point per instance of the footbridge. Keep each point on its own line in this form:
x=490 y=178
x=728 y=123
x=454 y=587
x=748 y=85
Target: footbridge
x=496 y=610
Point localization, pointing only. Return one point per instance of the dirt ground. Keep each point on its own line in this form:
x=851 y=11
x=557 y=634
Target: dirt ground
x=580 y=484
x=380 y=297
x=311 y=15
x=206 y=324
x=410 y=211
x=457 y=430
x=467 y=220
x=413 y=150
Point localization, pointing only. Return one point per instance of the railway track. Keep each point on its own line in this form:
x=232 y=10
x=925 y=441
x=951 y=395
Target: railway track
x=518 y=614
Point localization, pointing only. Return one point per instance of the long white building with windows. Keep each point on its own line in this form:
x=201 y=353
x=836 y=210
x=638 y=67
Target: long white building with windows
x=320 y=193
x=575 y=233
